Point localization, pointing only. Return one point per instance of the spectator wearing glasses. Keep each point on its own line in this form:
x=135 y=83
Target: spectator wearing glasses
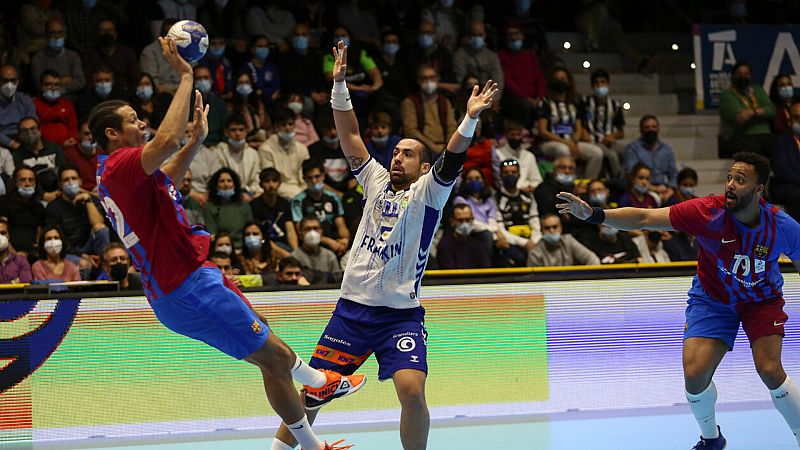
x=116 y=265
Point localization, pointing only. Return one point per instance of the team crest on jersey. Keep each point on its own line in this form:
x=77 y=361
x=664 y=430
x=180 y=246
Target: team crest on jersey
x=256 y=326
x=173 y=193
x=761 y=251
x=404 y=202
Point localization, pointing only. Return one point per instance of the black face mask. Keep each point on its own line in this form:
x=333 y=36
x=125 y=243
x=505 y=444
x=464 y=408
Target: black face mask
x=740 y=83
x=560 y=87
x=118 y=271
x=650 y=137
x=106 y=40
x=514 y=143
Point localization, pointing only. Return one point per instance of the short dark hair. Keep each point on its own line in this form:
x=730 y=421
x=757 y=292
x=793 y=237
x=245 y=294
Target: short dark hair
x=637 y=167
x=599 y=73
x=760 y=164
x=105 y=115
x=427 y=154
x=307 y=218
x=282 y=115
x=549 y=215
x=737 y=66
x=269 y=174
x=221 y=255
x=687 y=172
x=68 y=166
x=38 y=124
x=49 y=73
x=237 y=119
x=112 y=246
x=311 y=164
x=289 y=261
x=647 y=117
x=102 y=69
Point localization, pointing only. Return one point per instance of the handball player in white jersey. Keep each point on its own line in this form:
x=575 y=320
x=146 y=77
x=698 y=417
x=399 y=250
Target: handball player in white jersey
x=379 y=310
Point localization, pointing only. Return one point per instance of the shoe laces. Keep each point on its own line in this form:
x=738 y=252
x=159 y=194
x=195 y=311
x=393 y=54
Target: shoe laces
x=333 y=446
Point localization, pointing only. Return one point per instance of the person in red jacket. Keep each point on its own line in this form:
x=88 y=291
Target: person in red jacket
x=59 y=123
x=525 y=82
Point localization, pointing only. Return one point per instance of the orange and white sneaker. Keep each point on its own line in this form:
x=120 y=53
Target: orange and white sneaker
x=337 y=385
x=335 y=446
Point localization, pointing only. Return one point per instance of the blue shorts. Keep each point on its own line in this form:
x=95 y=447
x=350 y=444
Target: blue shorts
x=711 y=319
x=355 y=331
x=206 y=308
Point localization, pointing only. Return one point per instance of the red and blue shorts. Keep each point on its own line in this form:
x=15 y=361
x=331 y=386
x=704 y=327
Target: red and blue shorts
x=711 y=319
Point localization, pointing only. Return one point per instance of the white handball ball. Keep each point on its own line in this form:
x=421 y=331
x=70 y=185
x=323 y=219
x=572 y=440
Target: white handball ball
x=190 y=38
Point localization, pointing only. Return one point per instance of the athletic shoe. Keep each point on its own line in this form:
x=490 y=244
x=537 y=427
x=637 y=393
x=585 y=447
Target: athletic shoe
x=334 y=446
x=711 y=444
x=336 y=386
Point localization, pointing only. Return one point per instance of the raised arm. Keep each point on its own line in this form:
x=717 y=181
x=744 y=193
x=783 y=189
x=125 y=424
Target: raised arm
x=620 y=218
x=346 y=122
x=177 y=167
x=479 y=100
x=170 y=131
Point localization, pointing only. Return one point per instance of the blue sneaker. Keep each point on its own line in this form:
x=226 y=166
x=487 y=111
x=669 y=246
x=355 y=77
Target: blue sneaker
x=711 y=444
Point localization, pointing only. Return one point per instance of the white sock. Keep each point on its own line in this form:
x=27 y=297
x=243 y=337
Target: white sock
x=278 y=444
x=787 y=401
x=301 y=430
x=702 y=406
x=307 y=375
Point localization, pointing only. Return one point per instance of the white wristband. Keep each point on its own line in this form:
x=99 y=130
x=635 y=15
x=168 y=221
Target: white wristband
x=467 y=127
x=340 y=97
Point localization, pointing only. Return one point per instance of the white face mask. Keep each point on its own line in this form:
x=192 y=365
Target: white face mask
x=53 y=246
x=312 y=238
x=9 y=89
x=3 y=243
x=296 y=107
x=225 y=248
x=428 y=87
x=286 y=137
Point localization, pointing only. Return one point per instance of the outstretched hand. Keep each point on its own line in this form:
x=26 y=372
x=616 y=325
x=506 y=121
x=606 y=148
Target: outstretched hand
x=340 y=61
x=170 y=51
x=200 y=121
x=479 y=101
x=574 y=206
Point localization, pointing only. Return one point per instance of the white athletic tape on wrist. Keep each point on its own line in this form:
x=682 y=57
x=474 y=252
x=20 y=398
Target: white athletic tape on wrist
x=467 y=127
x=340 y=97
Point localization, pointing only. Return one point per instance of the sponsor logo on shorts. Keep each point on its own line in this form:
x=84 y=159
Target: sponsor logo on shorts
x=256 y=326
x=777 y=324
x=414 y=358
x=337 y=340
x=406 y=344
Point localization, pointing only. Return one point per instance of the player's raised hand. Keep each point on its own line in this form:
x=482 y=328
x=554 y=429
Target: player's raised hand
x=479 y=101
x=340 y=61
x=170 y=52
x=200 y=121
x=574 y=205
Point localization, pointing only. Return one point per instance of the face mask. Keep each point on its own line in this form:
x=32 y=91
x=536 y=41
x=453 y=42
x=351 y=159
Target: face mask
x=184 y=141
x=216 y=52
x=510 y=182
x=119 y=271
x=262 y=53
x=244 y=89
x=87 y=147
x=476 y=42
x=464 y=228
x=551 y=238
x=640 y=189
x=796 y=128
x=296 y=107
x=147 y=135
x=144 y=92
x=316 y=187
x=204 y=86
x=687 y=191
x=391 y=48
x=185 y=191
x=515 y=45
x=56 y=44
x=225 y=248
x=425 y=41
x=474 y=186
x=3 y=243
x=601 y=91
x=106 y=40
x=331 y=141
x=72 y=189
x=608 y=232
x=428 y=87
x=560 y=86
x=786 y=92
x=252 y=242
x=53 y=246
x=740 y=83
x=26 y=192
x=650 y=137
x=514 y=143
x=346 y=40
x=654 y=236
x=565 y=179
x=9 y=89
x=286 y=137
x=237 y=144
x=312 y=238
x=380 y=141
x=300 y=43
x=51 y=96
x=598 y=199
x=103 y=89
x=30 y=140
x=225 y=193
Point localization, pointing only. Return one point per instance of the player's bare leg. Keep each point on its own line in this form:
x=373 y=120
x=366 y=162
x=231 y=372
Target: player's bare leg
x=415 y=421
x=701 y=356
x=784 y=393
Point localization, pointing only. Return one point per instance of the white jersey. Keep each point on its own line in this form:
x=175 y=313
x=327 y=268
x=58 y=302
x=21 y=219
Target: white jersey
x=393 y=240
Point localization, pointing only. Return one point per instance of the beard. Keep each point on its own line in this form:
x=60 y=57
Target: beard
x=742 y=202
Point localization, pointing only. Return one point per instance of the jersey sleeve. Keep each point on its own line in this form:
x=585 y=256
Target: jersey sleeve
x=790 y=230
x=123 y=168
x=434 y=191
x=690 y=216
x=372 y=176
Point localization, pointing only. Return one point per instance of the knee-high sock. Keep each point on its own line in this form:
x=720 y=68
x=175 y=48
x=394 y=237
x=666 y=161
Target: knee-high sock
x=787 y=401
x=278 y=444
x=301 y=430
x=303 y=373
x=702 y=406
